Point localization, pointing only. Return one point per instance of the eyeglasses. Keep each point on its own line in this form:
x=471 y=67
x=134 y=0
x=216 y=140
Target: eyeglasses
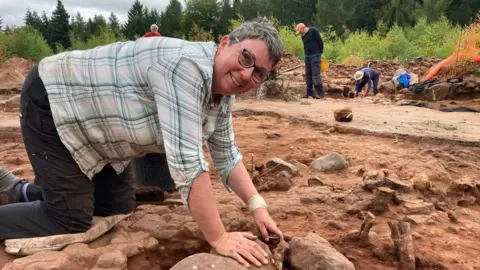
x=247 y=60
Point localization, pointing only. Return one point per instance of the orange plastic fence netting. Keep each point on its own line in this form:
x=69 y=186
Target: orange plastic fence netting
x=466 y=49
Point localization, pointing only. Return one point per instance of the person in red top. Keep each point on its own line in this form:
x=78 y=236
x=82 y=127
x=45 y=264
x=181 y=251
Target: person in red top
x=153 y=31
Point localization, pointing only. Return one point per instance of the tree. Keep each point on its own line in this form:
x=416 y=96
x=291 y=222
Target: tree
x=434 y=9
x=136 y=21
x=171 y=20
x=226 y=13
x=114 y=23
x=399 y=12
x=32 y=19
x=1 y=22
x=58 y=27
x=202 y=13
x=78 y=27
x=331 y=13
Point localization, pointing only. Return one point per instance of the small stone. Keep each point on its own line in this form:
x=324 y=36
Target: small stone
x=337 y=225
x=276 y=165
x=397 y=184
x=418 y=208
x=343 y=114
x=315 y=181
x=421 y=182
x=452 y=230
x=417 y=219
x=374 y=176
x=331 y=162
x=273 y=135
x=416 y=235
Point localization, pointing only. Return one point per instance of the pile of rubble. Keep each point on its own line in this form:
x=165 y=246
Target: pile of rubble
x=288 y=60
x=14 y=70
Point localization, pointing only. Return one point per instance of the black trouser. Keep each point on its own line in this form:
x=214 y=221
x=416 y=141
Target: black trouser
x=70 y=199
x=313 y=76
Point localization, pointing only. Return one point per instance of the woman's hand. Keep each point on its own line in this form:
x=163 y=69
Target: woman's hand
x=265 y=223
x=241 y=246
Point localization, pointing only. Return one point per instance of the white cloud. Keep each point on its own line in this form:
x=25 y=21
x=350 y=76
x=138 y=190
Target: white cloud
x=13 y=12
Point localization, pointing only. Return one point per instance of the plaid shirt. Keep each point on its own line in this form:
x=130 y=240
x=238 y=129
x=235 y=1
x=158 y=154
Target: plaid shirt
x=153 y=95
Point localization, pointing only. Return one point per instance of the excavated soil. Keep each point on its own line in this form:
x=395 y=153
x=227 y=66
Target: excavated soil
x=440 y=244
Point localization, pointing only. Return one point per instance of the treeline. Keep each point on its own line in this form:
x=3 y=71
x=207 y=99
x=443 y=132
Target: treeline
x=345 y=24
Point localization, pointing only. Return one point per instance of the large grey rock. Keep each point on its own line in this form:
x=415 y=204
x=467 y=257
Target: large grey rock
x=331 y=162
x=314 y=252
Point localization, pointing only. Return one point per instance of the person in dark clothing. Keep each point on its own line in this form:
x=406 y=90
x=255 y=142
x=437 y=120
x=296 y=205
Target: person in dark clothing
x=364 y=76
x=313 y=47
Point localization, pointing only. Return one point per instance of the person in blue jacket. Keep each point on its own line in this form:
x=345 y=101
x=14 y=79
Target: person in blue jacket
x=364 y=76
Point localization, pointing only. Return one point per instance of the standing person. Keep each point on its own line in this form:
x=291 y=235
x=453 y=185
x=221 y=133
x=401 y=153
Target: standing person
x=364 y=76
x=153 y=31
x=313 y=47
x=86 y=114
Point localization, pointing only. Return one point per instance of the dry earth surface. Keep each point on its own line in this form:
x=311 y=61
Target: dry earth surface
x=399 y=163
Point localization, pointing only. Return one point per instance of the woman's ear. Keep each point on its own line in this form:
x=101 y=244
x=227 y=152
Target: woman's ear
x=224 y=42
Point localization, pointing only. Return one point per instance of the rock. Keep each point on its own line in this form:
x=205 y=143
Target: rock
x=12 y=104
x=399 y=72
x=397 y=184
x=270 y=259
x=419 y=207
x=45 y=260
x=379 y=204
x=374 y=176
x=343 y=114
x=464 y=186
x=202 y=261
x=302 y=168
x=314 y=252
x=337 y=225
x=421 y=182
x=276 y=165
x=439 y=91
x=387 y=88
x=280 y=182
x=81 y=255
x=314 y=199
x=466 y=201
x=315 y=181
x=417 y=219
x=2 y=105
x=112 y=260
x=331 y=162
x=271 y=135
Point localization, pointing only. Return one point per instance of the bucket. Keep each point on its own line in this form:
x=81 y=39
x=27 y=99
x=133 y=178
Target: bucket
x=324 y=64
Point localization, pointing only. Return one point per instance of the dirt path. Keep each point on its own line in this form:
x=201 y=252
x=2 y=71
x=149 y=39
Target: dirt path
x=376 y=119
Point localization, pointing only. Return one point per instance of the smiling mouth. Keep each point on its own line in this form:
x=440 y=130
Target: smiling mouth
x=235 y=80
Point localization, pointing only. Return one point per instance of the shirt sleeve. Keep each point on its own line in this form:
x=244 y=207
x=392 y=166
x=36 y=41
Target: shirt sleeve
x=179 y=89
x=222 y=147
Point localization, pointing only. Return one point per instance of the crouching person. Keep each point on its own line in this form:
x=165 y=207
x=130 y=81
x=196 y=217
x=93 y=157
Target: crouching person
x=86 y=114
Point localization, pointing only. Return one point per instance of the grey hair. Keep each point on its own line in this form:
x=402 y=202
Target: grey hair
x=261 y=29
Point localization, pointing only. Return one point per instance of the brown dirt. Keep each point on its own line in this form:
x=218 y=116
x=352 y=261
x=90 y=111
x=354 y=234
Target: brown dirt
x=401 y=141
x=301 y=139
x=14 y=70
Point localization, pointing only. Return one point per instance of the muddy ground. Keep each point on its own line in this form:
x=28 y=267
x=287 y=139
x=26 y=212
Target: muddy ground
x=303 y=133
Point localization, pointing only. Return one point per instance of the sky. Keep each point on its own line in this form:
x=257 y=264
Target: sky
x=13 y=12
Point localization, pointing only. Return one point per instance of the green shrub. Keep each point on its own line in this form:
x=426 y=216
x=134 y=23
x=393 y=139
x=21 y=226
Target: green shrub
x=106 y=36
x=28 y=43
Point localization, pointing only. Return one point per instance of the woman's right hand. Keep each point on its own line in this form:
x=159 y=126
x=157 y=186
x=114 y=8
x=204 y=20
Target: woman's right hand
x=241 y=246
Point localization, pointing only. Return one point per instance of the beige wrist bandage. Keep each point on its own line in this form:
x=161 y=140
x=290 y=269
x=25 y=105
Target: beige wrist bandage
x=256 y=202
